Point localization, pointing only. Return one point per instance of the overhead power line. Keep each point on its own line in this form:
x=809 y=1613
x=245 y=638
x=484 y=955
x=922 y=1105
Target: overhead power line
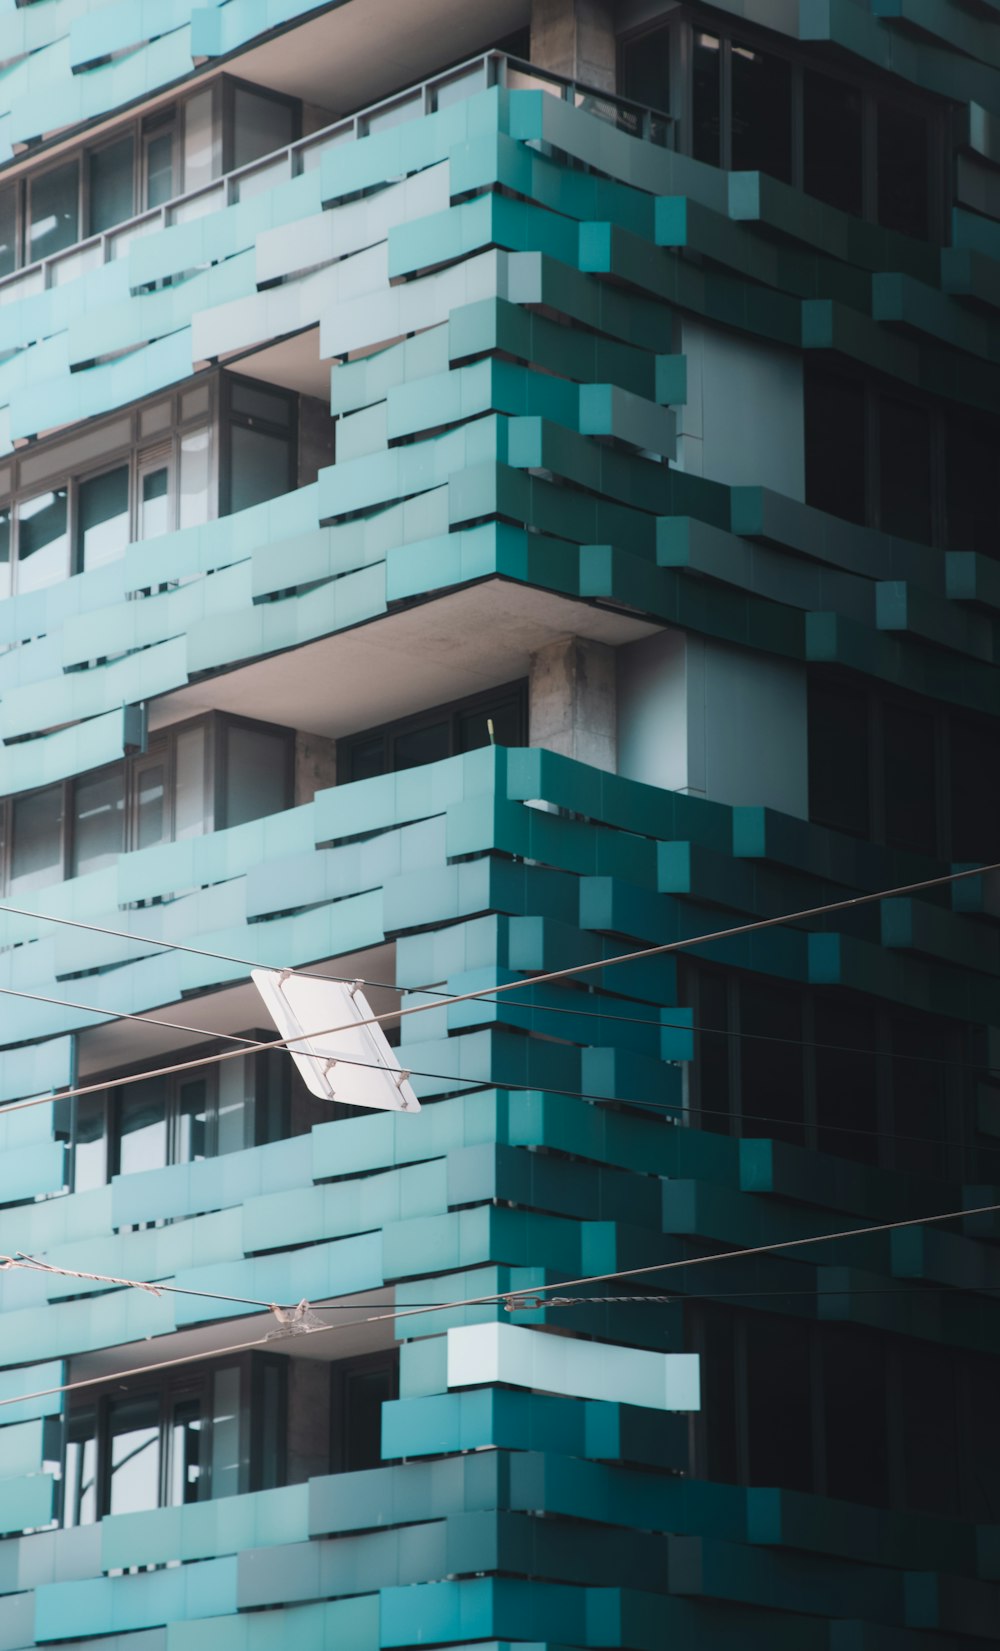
x=535 y=1296
x=494 y=992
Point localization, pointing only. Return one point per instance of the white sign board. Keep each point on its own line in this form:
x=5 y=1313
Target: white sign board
x=340 y=1058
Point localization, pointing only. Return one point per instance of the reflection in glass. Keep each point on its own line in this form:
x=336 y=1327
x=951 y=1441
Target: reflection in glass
x=202 y=151
x=80 y=1482
x=102 y=517
x=225 y=1435
x=761 y=113
x=150 y=805
x=134 y=1466
x=159 y=169
x=256 y=774
x=142 y=1127
x=195 y=455
x=155 y=505
x=111 y=172
x=98 y=819
x=36 y=851
x=192 y=1120
x=90 y=1154
x=235 y=1102
x=42 y=540
x=186 y=1434
x=190 y=799
x=55 y=221
x=645 y=69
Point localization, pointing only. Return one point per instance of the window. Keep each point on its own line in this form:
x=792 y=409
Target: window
x=103 y=517
x=260 y=430
x=206 y=1432
x=855 y=1079
x=911 y=467
x=902 y=772
x=359 y=1388
x=200 y=776
x=204 y=1112
x=443 y=732
x=144 y=165
x=863 y=149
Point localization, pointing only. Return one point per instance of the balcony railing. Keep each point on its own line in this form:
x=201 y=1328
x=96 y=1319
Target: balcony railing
x=479 y=73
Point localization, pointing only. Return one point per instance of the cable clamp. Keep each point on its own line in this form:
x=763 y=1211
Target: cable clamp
x=295 y=1321
x=516 y=1304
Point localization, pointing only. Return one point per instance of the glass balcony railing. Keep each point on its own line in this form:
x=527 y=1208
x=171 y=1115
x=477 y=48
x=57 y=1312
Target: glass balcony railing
x=241 y=184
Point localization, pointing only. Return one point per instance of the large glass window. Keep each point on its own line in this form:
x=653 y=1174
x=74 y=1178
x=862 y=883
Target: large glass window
x=645 y=65
x=706 y=99
x=192 y=813
x=142 y=1126
x=360 y=1387
x=903 y=181
x=80 y=1488
x=904 y=450
x=202 y=141
x=972 y=453
x=761 y=113
x=256 y=781
x=779 y=1400
x=498 y=718
x=54 y=220
x=855 y=1423
x=847 y=1115
x=910 y=802
x=112 y=170
x=839 y=758
x=833 y=141
x=836 y=444
x=771 y=1069
x=8 y=229
x=262 y=447
x=133 y=1454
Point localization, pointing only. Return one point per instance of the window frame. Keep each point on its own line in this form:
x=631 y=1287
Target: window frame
x=228 y=419
x=874 y=89
x=515 y=693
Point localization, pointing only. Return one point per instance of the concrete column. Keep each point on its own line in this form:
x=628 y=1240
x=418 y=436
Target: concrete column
x=315 y=766
x=571 y=701
x=576 y=38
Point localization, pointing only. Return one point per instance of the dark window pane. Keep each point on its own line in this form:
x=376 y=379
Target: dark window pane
x=186 y=1434
x=904 y=452
x=367 y=759
x=908 y=740
x=975 y=791
x=714 y=1100
x=151 y=824
x=256 y=774
x=421 y=745
x=111 y=199
x=779 y=1398
x=256 y=401
x=271 y=1424
x=920 y=1048
x=80 y=1480
x=102 y=518
x=260 y=125
x=364 y=1393
x=134 y=1455
x=142 y=1126
x=771 y=1061
x=855 y=1421
x=832 y=136
x=98 y=819
x=903 y=186
x=646 y=69
x=8 y=230
x=706 y=125
x=835 y=444
x=717 y=1339
x=474 y=731
x=55 y=200
x=261 y=467
x=42 y=540
x=973 y=497
x=846 y=1081
x=159 y=168
x=36 y=855
x=930 y=1434
x=981 y=1445
x=90 y=1146
x=192 y=815
x=155 y=512
x=761 y=113
x=838 y=758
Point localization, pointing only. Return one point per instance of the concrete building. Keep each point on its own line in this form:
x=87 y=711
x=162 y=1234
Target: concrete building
x=490 y=485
